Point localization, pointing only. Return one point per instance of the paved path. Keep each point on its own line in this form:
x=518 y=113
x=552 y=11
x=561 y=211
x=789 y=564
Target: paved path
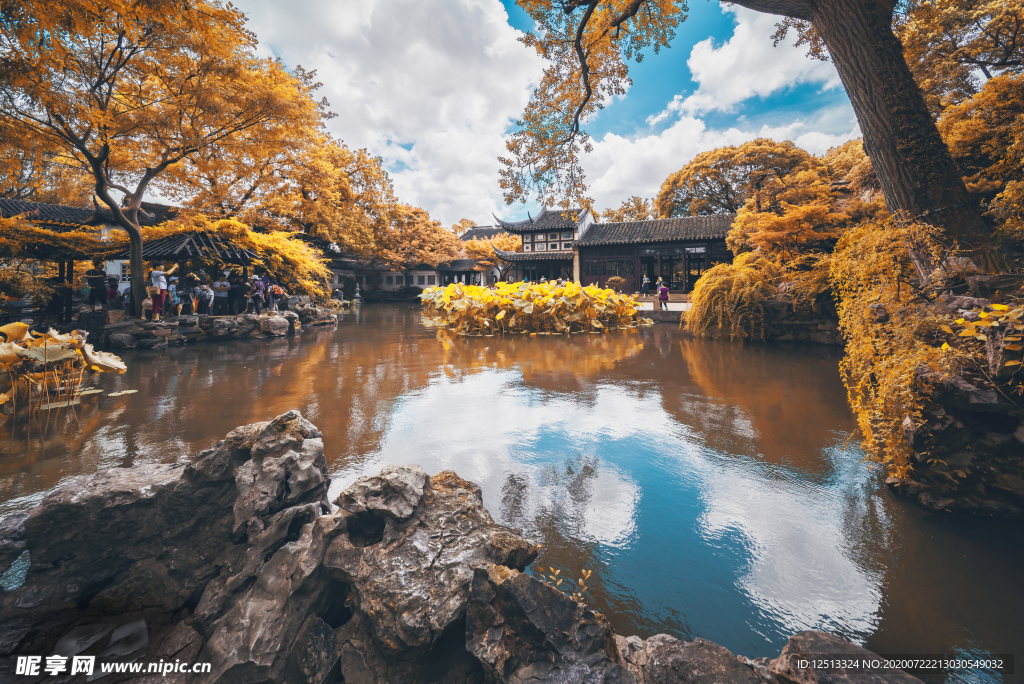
x=672 y=306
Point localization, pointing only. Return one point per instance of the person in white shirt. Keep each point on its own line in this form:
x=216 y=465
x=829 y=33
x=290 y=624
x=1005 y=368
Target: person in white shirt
x=221 y=288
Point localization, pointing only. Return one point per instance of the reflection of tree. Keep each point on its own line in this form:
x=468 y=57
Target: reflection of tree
x=785 y=402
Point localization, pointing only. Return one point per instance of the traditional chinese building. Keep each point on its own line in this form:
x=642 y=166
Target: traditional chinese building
x=549 y=241
x=571 y=245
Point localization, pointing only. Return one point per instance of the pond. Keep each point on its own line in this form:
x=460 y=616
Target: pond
x=712 y=488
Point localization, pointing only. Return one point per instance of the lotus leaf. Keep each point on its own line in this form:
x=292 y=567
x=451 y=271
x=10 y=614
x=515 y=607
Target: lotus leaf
x=105 y=361
x=15 y=332
x=48 y=354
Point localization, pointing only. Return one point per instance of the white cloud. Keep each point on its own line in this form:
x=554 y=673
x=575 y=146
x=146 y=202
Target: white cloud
x=747 y=65
x=430 y=87
x=620 y=167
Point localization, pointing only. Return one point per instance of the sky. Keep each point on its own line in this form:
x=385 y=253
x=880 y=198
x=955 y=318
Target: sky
x=434 y=89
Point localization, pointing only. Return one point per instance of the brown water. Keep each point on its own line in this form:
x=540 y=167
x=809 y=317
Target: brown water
x=711 y=487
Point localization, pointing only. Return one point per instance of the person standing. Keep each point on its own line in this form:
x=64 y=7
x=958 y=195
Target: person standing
x=276 y=292
x=663 y=294
x=173 y=303
x=204 y=297
x=221 y=289
x=645 y=288
x=158 y=279
x=187 y=293
x=95 y=278
x=256 y=294
x=235 y=298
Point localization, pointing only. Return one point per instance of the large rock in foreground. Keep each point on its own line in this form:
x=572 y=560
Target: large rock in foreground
x=234 y=557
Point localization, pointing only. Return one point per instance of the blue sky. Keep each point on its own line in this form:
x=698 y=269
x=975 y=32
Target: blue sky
x=434 y=88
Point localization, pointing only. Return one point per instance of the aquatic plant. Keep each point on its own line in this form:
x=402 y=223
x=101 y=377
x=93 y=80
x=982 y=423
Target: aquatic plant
x=576 y=591
x=49 y=364
x=534 y=308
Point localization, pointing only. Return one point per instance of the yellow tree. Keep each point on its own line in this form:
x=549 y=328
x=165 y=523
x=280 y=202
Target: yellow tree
x=462 y=226
x=32 y=168
x=130 y=89
x=413 y=238
x=984 y=133
x=587 y=41
x=633 y=209
x=484 y=251
x=799 y=213
x=718 y=181
x=848 y=165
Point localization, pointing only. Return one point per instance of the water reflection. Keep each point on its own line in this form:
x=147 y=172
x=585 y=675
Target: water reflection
x=710 y=486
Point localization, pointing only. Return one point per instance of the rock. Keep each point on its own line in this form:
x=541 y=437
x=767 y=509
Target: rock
x=153 y=343
x=412 y=575
x=294 y=325
x=224 y=327
x=988 y=285
x=121 y=340
x=522 y=631
x=806 y=645
x=395 y=493
x=663 y=659
x=275 y=326
x=292 y=301
x=879 y=314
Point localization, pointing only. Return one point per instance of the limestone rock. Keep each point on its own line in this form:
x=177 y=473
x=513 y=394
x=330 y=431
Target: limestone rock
x=807 y=644
x=275 y=326
x=121 y=340
x=395 y=493
x=522 y=631
x=667 y=660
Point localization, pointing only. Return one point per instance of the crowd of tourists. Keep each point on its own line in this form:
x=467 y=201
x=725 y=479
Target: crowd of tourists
x=168 y=294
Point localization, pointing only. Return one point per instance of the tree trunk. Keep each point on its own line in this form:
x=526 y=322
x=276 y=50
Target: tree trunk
x=135 y=271
x=913 y=164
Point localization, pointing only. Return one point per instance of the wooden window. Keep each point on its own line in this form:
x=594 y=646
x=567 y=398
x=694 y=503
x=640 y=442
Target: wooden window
x=541 y=246
x=389 y=280
x=553 y=236
x=567 y=235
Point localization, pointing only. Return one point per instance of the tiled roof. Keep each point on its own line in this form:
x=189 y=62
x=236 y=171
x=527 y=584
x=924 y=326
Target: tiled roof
x=60 y=215
x=192 y=244
x=52 y=214
x=459 y=265
x=547 y=219
x=534 y=256
x=658 y=230
x=482 y=233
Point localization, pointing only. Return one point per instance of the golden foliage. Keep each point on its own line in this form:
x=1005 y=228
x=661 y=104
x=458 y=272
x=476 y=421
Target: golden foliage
x=22 y=239
x=892 y=354
x=414 y=238
x=585 y=45
x=129 y=89
x=985 y=134
x=483 y=251
x=35 y=169
x=848 y=164
x=633 y=209
x=286 y=258
x=720 y=181
x=788 y=215
x=729 y=298
x=534 y=308
x=953 y=46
